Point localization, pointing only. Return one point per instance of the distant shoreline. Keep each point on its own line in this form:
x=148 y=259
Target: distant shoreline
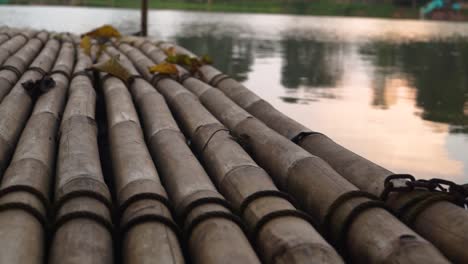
x=316 y=8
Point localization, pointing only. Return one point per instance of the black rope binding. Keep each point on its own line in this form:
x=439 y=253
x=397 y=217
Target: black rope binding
x=201 y=201
x=184 y=77
x=430 y=192
x=86 y=73
x=265 y=193
x=64 y=73
x=217 y=79
x=158 y=77
x=5 y=34
x=12 y=69
x=340 y=240
x=22 y=35
x=144 y=196
x=407 y=183
x=38 y=70
x=83 y=214
x=132 y=79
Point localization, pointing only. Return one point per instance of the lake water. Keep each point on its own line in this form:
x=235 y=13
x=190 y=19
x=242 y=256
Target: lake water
x=394 y=91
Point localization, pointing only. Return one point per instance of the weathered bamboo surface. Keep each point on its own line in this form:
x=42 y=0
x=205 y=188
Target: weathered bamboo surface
x=25 y=187
x=143 y=204
x=317 y=186
x=364 y=174
x=200 y=209
x=16 y=64
x=83 y=224
x=16 y=106
x=14 y=43
x=4 y=34
x=269 y=216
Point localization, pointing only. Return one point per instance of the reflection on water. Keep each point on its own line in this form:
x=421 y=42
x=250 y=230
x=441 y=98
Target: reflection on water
x=311 y=63
x=394 y=91
x=233 y=56
x=437 y=70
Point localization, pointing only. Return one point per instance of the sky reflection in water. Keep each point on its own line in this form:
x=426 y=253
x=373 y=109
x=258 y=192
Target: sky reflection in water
x=394 y=91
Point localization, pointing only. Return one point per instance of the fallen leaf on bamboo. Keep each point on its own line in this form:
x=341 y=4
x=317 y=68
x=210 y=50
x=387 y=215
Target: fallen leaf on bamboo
x=164 y=68
x=59 y=36
x=178 y=59
x=114 y=68
x=106 y=31
x=170 y=51
x=205 y=59
x=101 y=49
x=86 y=44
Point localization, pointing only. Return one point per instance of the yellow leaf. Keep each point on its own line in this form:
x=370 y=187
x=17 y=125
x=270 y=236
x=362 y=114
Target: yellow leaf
x=170 y=51
x=58 y=36
x=101 y=49
x=86 y=44
x=164 y=68
x=205 y=59
x=171 y=59
x=114 y=68
x=106 y=31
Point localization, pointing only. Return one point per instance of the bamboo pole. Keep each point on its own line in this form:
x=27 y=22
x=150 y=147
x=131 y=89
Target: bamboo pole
x=197 y=203
x=16 y=106
x=4 y=34
x=317 y=187
x=148 y=231
x=13 y=44
x=83 y=224
x=16 y=65
x=280 y=231
x=25 y=187
x=162 y=126
x=442 y=223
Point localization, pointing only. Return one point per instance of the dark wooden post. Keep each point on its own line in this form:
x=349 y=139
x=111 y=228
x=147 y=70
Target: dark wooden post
x=144 y=17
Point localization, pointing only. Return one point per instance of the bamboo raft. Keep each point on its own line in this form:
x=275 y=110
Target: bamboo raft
x=129 y=165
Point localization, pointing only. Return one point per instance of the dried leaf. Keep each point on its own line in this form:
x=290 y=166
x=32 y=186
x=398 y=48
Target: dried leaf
x=164 y=68
x=58 y=36
x=170 y=51
x=106 y=31
x=171 y=59
x=86 y=44
x=114 y=68
x=193 y=64
x=101 y=49
x=178 y=59
x=189 y=61
x=205 y=59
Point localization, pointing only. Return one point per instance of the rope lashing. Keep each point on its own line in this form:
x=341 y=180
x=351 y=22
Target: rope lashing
x=407 y=183
x=339 y=239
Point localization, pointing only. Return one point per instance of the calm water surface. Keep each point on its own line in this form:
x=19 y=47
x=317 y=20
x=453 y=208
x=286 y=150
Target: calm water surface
x=394 y=91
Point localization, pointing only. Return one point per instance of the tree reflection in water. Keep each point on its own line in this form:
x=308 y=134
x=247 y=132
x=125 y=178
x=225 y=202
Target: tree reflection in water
x=438 y=72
